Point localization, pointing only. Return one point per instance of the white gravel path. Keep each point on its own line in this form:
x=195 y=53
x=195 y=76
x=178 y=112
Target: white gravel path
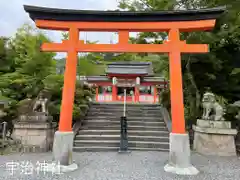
x=133 y=166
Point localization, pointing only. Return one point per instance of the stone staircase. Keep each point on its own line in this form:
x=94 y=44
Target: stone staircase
x=101 y=128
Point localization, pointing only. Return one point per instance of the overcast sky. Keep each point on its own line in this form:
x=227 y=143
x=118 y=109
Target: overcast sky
x=12 y=16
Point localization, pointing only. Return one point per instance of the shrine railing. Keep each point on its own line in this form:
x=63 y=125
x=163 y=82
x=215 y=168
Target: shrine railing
x=104 y=97
x=146 y=98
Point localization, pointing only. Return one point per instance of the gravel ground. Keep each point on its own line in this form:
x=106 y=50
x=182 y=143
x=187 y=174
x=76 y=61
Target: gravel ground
x=114 y=166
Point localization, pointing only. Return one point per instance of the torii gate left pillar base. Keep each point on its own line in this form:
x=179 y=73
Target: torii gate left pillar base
x=62 y=151
x=179 y=156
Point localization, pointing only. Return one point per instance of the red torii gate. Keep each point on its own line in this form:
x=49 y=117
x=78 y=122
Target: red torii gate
x=124 y=22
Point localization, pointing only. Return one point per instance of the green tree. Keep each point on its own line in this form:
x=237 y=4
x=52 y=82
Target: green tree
x=147 y=5
x=218 y=70
x=25 y=71
x=88 y=66
x=24 y=66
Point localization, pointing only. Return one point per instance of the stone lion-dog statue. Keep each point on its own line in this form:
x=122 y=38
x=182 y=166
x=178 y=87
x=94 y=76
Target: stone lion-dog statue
x=212 y=110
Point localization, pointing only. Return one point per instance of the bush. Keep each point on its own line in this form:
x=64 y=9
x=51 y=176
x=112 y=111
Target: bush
x=54 y=84
x=230 y=115
x=165 y=99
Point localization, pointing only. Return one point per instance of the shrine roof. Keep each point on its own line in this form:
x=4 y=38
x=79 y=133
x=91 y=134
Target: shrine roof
x=130 y=68
x=98 y=78
x=154 y=79
x=108 y=79
x=43 y=13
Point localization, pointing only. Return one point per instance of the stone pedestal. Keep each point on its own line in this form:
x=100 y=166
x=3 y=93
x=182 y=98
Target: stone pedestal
x=63 y=149
x=179 y=156
x=35 y=132
x=214 y=138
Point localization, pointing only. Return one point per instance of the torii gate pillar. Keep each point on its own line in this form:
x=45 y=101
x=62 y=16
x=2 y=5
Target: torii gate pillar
x=124 y=22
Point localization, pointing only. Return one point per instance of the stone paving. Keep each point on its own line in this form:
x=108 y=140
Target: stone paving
x=114 y=166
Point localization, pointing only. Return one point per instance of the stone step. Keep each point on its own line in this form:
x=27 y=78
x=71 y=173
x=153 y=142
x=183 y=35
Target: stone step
x=120 y=113
x=101 y=128
x=148 y=149
x=130 y=132
x=117 y=127
x=128 y=104
x=140 y=118
x=113 y=121
x=128 y=113
x=115 y=143
x=94 y=149
x=127 y=108
x=114 y=149
x=107 y=109
x=117 y=137
x=117 y=122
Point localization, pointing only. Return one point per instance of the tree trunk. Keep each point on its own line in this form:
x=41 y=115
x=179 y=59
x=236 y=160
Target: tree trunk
x=195 y=98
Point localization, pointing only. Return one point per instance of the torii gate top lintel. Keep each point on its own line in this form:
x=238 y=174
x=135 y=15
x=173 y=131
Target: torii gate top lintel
x=186 y=20
x=122 y=16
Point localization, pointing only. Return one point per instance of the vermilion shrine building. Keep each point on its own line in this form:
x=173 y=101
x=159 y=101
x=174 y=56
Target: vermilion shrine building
x=136 y=77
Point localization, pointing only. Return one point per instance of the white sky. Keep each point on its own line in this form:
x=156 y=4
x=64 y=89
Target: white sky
x=13 y=16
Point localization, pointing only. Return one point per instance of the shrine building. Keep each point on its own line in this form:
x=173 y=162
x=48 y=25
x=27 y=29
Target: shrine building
x=136 y=77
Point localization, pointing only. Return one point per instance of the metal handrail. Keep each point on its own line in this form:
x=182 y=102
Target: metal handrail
x=124 y=103
x=124 y=136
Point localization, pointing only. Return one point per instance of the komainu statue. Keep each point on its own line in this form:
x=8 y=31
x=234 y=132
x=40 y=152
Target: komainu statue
x=40 y=104
x=32 y=107
x=212 y=110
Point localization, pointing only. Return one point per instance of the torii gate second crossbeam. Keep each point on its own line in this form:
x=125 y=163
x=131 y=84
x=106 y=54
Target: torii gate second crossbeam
x=173 y=22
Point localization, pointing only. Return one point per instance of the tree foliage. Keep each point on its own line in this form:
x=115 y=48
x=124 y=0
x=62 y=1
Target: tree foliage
x=217 y=70
x=24 y=66
x=25 y=71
